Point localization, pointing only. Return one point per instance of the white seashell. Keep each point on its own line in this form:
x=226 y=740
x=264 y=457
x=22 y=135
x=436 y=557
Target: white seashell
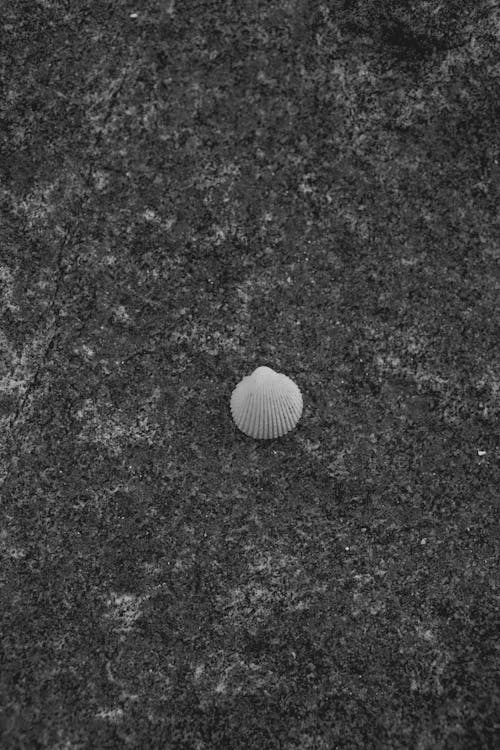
x=266 y=404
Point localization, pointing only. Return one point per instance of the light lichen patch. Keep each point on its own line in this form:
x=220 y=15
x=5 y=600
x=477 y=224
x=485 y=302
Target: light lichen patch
x=116 y=429
x=123 y=610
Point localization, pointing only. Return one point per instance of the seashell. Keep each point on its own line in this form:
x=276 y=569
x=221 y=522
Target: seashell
x=266 y=404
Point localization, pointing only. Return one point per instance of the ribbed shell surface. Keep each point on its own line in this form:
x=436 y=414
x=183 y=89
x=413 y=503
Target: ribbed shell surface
x=266 y=404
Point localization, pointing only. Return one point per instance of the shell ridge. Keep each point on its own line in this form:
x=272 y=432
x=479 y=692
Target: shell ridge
x=253 y=412
x=264 y=413
x=255 y=415
x=275 y=415
x=288 y=412
x=275 y=408
x=282 y=421
x=266 y=409
x=242 y=408
x=258 y=413
x=273 y=412
x=246 y=415
x=282 y=406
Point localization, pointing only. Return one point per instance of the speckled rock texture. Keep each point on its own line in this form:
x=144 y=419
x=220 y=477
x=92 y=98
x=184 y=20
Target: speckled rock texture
x=189 y=190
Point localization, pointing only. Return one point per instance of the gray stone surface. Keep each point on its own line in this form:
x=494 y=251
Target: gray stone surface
x=189 y=190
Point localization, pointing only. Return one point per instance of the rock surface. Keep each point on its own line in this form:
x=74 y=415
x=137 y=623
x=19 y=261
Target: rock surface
x=189 y=190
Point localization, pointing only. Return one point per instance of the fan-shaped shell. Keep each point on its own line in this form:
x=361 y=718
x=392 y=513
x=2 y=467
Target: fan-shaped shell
x=266 y=404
